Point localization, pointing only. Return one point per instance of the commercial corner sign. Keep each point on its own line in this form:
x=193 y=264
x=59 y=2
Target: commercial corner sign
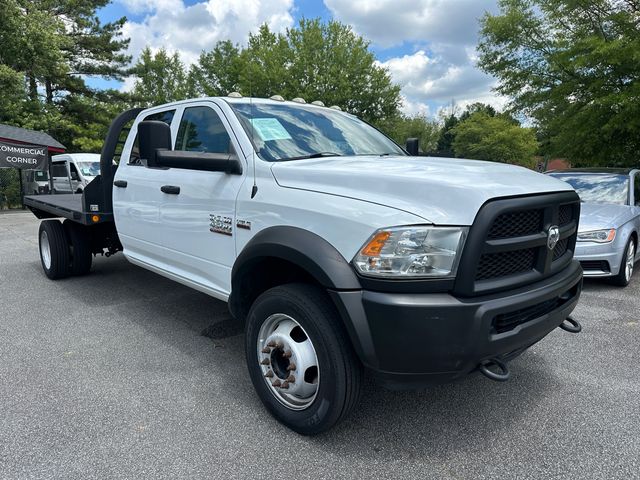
x=28 y=157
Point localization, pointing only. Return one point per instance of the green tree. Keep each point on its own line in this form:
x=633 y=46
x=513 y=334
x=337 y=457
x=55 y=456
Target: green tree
x=47 y=49
x=574 y=67
x=421 y=127
x=444 y=145
x=217 y=71
x=483 y=137
x=315 y=61
x=161 y=78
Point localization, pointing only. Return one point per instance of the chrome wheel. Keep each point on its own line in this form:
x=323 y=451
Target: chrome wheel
x=288 y=361
x=631 y=255
x=45 y=249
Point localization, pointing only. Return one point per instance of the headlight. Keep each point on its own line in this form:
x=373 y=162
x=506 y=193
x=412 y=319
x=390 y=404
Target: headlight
x=598 y=236
x=412 y=252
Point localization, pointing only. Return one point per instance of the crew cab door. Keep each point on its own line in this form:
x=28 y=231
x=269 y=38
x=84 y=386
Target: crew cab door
x=137 y=198
x=197 y=211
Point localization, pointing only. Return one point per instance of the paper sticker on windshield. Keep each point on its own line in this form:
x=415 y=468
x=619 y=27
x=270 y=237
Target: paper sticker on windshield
x=270 y=129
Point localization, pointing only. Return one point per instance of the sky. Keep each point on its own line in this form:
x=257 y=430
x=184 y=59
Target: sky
x=428 y=46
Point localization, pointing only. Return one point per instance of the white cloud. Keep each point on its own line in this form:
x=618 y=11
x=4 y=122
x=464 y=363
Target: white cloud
x=393 y=22
x=442 y=67
x=189 y=29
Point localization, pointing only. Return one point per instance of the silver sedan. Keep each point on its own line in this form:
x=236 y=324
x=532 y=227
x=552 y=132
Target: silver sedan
x=607 y=243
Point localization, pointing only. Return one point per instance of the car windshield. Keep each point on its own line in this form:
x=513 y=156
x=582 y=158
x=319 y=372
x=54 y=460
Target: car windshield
x=89 y=169
x=292 y=132
x=598 y=187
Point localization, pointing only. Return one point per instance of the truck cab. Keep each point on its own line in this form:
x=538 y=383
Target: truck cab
x=338 y=251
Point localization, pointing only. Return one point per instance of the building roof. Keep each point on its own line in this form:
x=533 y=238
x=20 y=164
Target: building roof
x=32 y=137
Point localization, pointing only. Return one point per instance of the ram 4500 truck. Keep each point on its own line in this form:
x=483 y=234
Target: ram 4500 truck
x=341 y=253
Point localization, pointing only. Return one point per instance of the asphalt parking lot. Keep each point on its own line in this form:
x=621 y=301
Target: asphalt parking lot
x=113 y=376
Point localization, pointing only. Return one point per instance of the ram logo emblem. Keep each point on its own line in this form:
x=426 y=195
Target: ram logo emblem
x=552 y=237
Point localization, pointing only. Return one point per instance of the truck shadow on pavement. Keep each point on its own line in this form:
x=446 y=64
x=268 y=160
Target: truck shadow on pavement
x=464 y=415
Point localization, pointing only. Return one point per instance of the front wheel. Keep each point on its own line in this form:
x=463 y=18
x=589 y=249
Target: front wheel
x=300 y=359
x=626 y=266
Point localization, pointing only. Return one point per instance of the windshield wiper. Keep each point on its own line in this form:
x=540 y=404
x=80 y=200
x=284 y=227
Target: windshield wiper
x=312 y=155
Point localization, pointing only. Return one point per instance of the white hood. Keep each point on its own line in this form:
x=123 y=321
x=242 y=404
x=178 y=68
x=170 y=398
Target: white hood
x=443 y=191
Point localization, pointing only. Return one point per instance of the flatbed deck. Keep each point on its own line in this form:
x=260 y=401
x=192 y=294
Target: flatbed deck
x=69 y=206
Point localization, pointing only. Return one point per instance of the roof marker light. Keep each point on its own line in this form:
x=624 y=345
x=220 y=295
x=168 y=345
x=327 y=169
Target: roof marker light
x=234 y=95
x=335 y=107
x=277 y=98
x=317 y=102
x=299 y=100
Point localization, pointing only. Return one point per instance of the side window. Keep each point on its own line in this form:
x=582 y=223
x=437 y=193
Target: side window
x=201 y=130
x=636 y=189
x=59 y=170
x=166 y=117
x=73 y=170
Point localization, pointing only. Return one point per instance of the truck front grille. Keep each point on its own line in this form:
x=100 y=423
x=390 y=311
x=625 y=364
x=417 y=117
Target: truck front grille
x=494 y=265
x=508 y=242
x=515 y=224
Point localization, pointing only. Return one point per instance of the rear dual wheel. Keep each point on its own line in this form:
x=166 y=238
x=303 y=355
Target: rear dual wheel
x=65 y=249
x=79 y=247
x=300 y=359
x=54 y=249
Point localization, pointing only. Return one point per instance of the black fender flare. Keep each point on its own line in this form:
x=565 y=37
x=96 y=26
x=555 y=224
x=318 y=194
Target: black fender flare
x=306 y=249
x=321 y=261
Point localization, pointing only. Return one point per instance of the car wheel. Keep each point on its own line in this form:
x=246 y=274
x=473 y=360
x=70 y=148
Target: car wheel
x=626 y=265
x=80 y=253
x=54 y=249
x=300 y=359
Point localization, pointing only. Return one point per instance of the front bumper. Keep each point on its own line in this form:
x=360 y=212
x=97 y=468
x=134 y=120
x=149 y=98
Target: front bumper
x=409 y=340
x=591 y=255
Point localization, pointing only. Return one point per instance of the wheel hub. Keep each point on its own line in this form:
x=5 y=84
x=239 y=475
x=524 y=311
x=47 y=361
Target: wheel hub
x=288 y=361
x=45 y=249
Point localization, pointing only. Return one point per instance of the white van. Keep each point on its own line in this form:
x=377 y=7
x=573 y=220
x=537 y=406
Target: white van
x=36 y=182
x=71 y=172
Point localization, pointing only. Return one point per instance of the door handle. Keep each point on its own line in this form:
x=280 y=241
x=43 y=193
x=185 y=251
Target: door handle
x=170 y=189
x=120 y=183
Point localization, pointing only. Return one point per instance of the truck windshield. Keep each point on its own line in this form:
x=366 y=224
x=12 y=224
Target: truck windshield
x=598 y=187
x=89 y=169
x=40 y=176
x=291 y=132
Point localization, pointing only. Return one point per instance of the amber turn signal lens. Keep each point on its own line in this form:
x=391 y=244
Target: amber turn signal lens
x=374 y=247
x=612 y=234
x=95 y=218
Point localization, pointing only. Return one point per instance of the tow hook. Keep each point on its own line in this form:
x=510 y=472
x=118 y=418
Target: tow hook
x=570 y=325
x=501 y=376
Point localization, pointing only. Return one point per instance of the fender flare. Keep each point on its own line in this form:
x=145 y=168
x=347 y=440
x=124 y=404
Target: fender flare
x=303 y=248
x=321 y=261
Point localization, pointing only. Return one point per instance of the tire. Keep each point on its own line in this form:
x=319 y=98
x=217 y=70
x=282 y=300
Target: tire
x=80 y=257
x=315 y=407
x=54 y=249
x=623 y=277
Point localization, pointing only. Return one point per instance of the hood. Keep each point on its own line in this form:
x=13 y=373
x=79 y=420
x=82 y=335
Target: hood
x=599 y=216
x=444 y=191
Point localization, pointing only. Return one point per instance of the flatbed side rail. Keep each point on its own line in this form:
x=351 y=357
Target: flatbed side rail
x=57 y=206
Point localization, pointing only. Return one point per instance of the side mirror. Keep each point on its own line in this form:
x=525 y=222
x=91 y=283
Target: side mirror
x=412 y=146
x=74 y=176
x=153 y=135
x=210 y=162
